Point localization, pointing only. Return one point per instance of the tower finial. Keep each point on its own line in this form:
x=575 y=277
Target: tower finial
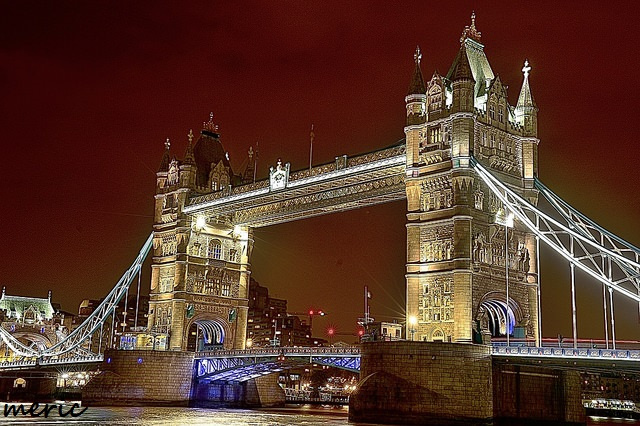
x=210 y=125
x=418 y=55
x=190 y=135
x=167 y=144
x=526 y=69
x=471 y=31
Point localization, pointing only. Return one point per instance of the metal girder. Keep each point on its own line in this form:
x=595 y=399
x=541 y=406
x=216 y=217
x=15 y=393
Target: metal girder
x=71 y=347
x=595 y=232
x=574 y=240
x=242 y=365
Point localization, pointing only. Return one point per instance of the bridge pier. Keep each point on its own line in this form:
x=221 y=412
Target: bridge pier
x=455 y=384
x=27 y=385
x=141 y=378
x=262 y=391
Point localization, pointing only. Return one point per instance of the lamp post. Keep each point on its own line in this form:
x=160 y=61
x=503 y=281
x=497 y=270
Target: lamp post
x=412 y=323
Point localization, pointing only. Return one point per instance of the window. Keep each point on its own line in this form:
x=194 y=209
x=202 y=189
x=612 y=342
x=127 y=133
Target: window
x=493 y=141
x=501 y=114
x=492 y=111
x=434 y=135
x=215 y=249
x=484 y=138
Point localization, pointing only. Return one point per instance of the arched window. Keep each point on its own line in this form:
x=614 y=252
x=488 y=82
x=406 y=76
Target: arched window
x=215 y=249
x=492 y=111
x=19 y=383
x=501 y=113
x=438 y=336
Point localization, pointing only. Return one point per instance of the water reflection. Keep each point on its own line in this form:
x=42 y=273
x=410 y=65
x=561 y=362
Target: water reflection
x=290 y=415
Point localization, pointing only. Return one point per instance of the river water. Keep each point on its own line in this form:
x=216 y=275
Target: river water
x=291 y=415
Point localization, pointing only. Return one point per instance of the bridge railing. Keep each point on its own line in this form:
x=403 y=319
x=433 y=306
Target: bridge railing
x=275 y=351
x=550 y=352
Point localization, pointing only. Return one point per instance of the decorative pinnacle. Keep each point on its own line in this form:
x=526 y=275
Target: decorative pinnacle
x=526 y=69
x=210 y=125
x=250 y=152
x=167 y=144
x=471 y=31
x=190 y=135
x=418 y=55
x=312 y=135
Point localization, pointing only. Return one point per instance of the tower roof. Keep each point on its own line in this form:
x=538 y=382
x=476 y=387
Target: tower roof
x=481 y=71
x=460 y=69
x=208 y=150
x=166 y=158
x=417 y=86
x=526 y=99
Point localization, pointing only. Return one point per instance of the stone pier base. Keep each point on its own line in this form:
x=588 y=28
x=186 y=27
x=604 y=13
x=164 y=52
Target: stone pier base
x=423 y=383
x=28 y=385
x=141 y=378
x=455 y=383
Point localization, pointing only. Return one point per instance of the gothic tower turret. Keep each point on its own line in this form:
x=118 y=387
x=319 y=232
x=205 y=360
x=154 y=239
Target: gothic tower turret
x=457 y=247
x=527 y=116
x=415 y=130
x=416 y=111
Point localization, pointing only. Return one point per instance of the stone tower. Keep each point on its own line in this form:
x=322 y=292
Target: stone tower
x=456 y=239
x=200 y=269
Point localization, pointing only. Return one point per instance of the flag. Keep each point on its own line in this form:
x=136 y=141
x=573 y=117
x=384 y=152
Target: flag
x=368 y=294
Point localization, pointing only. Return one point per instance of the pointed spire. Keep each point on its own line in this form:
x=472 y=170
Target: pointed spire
x=471 y=31
x=248 y=172
x=525 y=100
x=166 y=157
x=188 y=155
x=417 y=86
x=460 y=69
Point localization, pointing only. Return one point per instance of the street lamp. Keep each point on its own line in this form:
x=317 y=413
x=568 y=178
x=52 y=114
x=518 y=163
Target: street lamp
x=412 y=322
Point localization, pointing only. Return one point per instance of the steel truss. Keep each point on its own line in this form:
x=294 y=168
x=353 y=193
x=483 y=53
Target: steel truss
x=72 y=348
x=243 y=365
x=584 y=244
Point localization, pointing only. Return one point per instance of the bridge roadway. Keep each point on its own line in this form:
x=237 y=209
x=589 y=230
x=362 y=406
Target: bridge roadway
x=242 y=365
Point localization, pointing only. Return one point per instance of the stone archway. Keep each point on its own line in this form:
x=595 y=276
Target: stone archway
x=205 y=334
x=497 y=316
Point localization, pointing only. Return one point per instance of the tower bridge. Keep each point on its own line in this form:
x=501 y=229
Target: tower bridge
x=468 y=169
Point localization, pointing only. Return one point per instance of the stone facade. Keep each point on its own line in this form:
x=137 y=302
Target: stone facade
x=141 y=378
x=423 y=383
x=200 y=269
x=456 y=241
x=455 y=384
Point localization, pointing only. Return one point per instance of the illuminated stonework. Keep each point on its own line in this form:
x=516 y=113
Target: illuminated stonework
x=455 y=239
x=457 y=250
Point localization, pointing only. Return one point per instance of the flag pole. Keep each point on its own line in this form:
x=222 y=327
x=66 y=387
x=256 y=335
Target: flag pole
x=311 y=136
x=255 y=163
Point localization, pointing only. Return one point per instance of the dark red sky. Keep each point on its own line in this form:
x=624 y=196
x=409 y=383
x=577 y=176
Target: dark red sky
x=89 y=92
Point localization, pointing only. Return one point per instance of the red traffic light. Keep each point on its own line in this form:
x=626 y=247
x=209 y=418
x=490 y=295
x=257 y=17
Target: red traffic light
x=311 y=312
x=361 y=332
x=330 y=331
